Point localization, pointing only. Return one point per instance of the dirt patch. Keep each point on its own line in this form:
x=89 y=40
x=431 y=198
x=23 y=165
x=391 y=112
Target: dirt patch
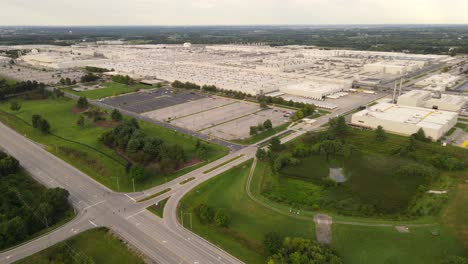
x=78 y=110
x=323 y=228
x=189 y=163
x=106 y=124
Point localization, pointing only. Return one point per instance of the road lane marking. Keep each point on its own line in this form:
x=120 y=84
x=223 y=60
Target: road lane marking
x=128 y=217
x=87 y=207
x=130 y=197
x=92 y=223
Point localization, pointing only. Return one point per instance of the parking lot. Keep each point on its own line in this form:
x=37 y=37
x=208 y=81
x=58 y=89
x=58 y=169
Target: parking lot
x=22 y=73
x=152 y=100
x=218 y=116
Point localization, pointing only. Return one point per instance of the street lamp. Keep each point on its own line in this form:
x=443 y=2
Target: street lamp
x=118 y=185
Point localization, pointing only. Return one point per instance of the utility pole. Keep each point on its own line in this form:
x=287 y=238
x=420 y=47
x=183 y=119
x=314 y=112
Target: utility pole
x=394 y=92
x=133 y=181
x=118 y=185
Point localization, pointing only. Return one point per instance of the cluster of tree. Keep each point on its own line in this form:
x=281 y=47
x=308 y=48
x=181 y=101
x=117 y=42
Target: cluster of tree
x=89 y=77
x=67 y=81
x=124 y=79
x=41 y=124
x=26 y=207
x=267 y=125
x=7 y=89
x=96 y=69
x=8 y=164
x=82 y=102
x=186 y=85
x=296 y=250
x=447 y=162
x=143 y=148
x=209 y=215
x=452 y=259
x=305 y=111
x=96 y=115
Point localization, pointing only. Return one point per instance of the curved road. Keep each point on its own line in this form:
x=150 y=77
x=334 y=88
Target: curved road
x=161 y=240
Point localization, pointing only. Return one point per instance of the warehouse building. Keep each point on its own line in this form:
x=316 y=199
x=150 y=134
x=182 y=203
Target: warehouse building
x=427 y=99
x=4 y=60
x=439 y=82
x=406 y=120
x=318 y=88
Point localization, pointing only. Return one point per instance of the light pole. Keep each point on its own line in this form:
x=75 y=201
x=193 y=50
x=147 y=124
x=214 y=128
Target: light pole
x=182 y=214
x=133 y=181
x=118 y=185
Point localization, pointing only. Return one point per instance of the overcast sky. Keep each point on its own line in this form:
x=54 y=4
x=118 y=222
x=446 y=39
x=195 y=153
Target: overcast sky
x=231 y=12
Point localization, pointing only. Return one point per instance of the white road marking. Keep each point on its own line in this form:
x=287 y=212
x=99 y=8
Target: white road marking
x=87 y=207
x=130 y=197
x=128 y=217
x=92 y=223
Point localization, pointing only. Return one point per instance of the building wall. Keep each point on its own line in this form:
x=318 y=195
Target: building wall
x=406 y=129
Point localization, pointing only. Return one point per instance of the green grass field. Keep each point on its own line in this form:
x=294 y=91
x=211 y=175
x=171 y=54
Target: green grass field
x=111 y=89
x=159 y=209
x=361 y=244
x=98 y=161
x=250 y=221
x=98 y=245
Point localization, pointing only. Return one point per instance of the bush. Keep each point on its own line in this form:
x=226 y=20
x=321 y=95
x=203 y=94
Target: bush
x=8 y=165
x=272 y=242
x=205 y=213
x=222 y=218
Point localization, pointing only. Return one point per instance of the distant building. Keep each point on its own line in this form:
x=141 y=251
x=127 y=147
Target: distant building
x=427 y=99
x=406 y=120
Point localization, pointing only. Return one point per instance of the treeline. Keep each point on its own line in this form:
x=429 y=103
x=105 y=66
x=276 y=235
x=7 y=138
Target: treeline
x=89 y=77
x=26 y=207
x=96 y=69
x=242 y=96
x=7 y=89
x=143 y=149
x=123 y=79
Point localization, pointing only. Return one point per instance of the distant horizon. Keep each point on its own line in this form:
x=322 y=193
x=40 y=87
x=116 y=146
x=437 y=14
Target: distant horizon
x=245 y=25
x=228 y=12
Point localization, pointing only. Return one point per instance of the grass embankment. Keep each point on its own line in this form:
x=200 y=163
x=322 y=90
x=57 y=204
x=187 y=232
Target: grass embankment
x=96 y=246
x=362 y=244
x=158 y=209
x=110 y=89
x=462 y=126
x=249 y=221
x=222 y=164
x=89 y=155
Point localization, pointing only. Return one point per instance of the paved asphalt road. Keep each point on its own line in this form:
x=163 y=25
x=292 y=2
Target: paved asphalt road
x=161 y=240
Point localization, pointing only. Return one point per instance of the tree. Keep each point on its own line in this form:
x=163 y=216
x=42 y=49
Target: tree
x=253 y=130
x=202 y=152
x=44 y=126
x=261 y=154
x=89 y=78
x=275 y=144
x=8 y=165
x=263 y=104
x=329 y=148
x=272 y=242
x=420 y=135
x=338 y=127
x=267 y=124
x=82 y=103
x=35 y=120
x=81 y=121
x=300 y=250
x=116 y=115
x=15 y=106
x=222 y=218
x=205 y=213
x=455 y=260
x=380 y=134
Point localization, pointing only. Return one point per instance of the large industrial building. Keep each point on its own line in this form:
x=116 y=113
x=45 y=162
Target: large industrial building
x=427 y=99
x=406 y=120
x=439 y=82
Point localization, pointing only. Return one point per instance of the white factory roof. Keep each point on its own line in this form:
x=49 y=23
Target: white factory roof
x=421 y=117
x=428 y=95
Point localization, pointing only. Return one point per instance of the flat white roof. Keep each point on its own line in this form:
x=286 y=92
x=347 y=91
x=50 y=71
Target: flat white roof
x=419 y=116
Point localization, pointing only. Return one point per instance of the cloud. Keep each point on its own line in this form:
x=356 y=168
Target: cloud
x=219 y=12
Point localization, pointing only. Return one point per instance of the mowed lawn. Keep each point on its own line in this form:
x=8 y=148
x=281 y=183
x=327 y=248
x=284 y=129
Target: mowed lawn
x=98 y=245
x=89 y=155
x=385 y=245
x=111 y=89
x=249 y=220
